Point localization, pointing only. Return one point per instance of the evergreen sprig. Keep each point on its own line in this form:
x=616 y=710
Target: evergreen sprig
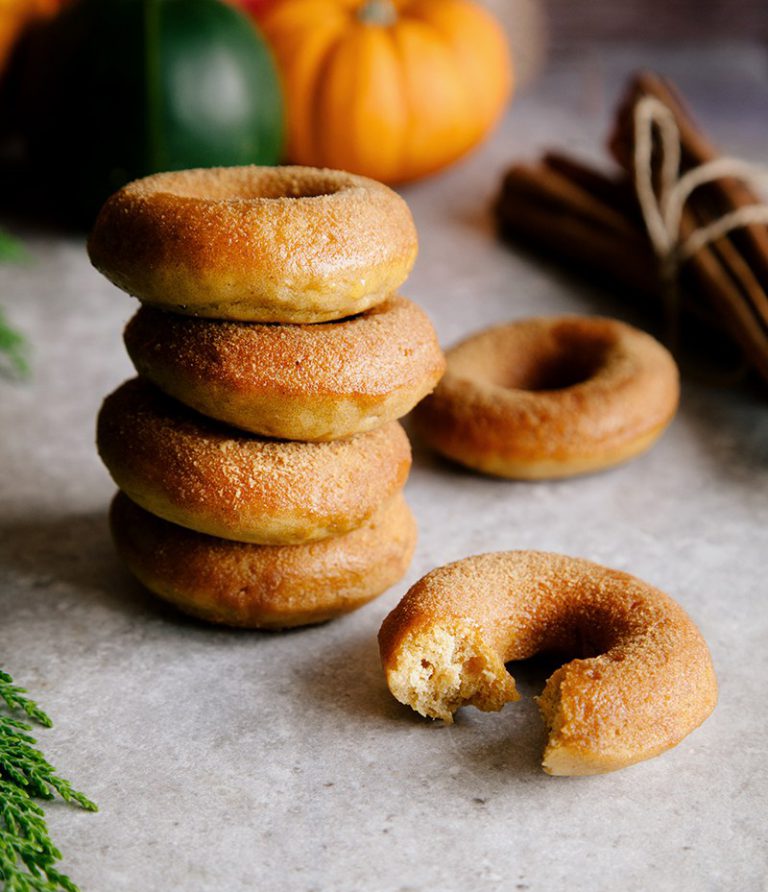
x=14 y=349
x=27 y=854
x=16 y=700
x=11 y=249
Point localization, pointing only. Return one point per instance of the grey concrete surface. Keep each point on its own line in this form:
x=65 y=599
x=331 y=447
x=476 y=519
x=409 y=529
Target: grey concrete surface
x=234 y=761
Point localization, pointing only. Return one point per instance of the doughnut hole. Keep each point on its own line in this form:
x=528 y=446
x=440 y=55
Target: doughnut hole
x=553 y=371
x=562 y=358
x=243 y=184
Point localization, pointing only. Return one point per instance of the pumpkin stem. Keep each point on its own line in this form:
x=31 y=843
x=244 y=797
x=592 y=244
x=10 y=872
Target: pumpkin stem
x=378 y=12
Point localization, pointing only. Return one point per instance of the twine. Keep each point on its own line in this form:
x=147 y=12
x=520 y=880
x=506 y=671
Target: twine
x=663 y=212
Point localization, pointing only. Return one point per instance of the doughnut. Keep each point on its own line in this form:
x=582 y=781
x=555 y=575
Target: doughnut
x=265 y=586
x=256 y=244
x=200 y=474
x=551 y=397
x=296 y=382
x=643 y=679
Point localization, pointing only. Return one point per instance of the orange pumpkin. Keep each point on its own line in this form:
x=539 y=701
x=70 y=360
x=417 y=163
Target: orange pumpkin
x=392 y=89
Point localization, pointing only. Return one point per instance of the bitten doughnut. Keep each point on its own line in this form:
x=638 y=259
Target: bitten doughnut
x=297 y=382
x=258 y=244
x=551 y=397
x=643 y=679
x=203 y=475
x=265 y=586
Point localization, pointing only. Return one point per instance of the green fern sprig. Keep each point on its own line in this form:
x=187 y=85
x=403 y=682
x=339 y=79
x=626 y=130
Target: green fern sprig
x=14 y=349
x=16 y=700
x=27 y=854
x=11 y=249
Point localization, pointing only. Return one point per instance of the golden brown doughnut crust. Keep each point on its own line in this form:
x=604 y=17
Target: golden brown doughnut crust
x=200 y=474
x=265 y=586
x=551 y=397
x=297 y=382
x=256 y=244
x=643 y=681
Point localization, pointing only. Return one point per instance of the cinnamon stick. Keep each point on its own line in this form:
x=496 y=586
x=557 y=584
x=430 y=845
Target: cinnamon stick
x=556 y=191
x=564 y=232
x=614 y=191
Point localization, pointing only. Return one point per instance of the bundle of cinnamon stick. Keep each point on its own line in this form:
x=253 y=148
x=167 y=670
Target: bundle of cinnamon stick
x=591 y=219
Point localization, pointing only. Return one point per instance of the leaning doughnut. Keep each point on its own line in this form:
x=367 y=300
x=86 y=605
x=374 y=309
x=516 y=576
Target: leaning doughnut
x=643 y=680
x=265 y=586
x=551 y=397
x=297 y=382
x=259 y=244
x=200 y=474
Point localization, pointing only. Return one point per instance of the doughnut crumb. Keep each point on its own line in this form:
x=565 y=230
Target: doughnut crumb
x=440 y=669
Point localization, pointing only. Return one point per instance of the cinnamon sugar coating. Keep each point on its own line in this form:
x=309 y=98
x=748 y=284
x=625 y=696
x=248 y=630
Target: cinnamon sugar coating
x=265 y=586
x=643 y=678
x=298 y=382
x=200 y=474
x=260 y=244
x=551 y=397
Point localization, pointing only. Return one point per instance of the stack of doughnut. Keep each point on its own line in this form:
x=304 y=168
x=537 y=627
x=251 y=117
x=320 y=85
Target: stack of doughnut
x=258 y=454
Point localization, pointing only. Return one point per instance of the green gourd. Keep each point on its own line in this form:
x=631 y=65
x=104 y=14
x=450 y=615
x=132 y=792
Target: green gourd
x=117 y=89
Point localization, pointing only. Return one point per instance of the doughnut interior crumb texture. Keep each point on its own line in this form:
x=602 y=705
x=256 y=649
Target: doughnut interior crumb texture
x=642 y=680
x=551 y=397
x=258 y=244
x=441 y=669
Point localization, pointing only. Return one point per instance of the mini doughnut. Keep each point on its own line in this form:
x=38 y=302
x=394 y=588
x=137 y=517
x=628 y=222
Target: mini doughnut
x=256 y=244
x=551 y=397
x=297 y=382
x=200 y=474
x=265 y=586
x=643 y=680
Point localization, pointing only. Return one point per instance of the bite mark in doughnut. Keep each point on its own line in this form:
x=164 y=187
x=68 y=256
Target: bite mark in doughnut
x=200 y=474
x=296 y=382
x=258 y=244
x=643 y=680
x=265 y=586
x=551 y=397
